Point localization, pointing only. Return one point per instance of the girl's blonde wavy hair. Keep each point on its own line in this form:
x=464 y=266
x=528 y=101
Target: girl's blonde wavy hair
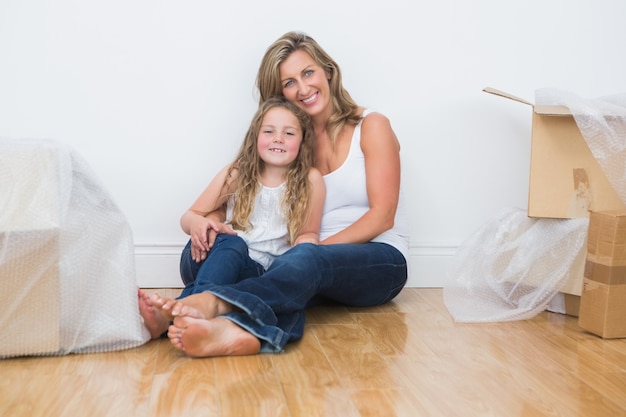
x=345 y=109
x=249 y=166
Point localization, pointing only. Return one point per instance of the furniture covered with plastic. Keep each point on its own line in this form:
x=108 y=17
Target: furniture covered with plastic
x=67 y=273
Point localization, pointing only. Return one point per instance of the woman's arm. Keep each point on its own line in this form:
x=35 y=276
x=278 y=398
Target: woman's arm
x=310 y=232
x=382 y=172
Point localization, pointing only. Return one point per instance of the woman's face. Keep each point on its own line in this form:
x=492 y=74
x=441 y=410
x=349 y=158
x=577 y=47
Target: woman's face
x=305 y=83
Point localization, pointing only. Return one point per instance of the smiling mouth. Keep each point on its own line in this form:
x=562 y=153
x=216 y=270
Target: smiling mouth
x=277 y=150
x=310 y=99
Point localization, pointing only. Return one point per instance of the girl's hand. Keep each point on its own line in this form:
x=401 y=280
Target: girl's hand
x=200 y=235
x=204 y=220
x=204 y=230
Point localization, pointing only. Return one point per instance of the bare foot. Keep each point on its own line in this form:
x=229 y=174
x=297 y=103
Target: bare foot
x=163 y=306
x=154 y=322
x=215 y=337
x=202 y=306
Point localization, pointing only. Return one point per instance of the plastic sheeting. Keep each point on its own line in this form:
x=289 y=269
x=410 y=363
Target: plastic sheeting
x=67 y=272
x=514 y=265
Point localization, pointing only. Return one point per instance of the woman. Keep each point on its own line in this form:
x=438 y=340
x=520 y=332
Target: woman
x=362 y=256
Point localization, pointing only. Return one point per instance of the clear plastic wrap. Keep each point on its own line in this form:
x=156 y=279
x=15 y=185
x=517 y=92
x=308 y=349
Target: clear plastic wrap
x=513 y=266
x=67 y=272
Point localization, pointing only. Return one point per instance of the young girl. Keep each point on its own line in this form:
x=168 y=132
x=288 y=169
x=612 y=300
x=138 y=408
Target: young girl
x=274 y=199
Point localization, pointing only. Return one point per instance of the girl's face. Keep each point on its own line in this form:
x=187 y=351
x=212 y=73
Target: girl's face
x=305 y=83
x=279 y=138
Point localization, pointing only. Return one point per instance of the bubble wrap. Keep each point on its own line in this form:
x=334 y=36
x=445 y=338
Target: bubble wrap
x=514 y=265
x=67 y=273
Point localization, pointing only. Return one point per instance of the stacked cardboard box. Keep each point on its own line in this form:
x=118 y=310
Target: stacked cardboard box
x=603 y=298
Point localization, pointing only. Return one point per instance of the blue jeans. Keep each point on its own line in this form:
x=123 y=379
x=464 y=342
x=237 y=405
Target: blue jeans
x=226 y=263
x=272 y=305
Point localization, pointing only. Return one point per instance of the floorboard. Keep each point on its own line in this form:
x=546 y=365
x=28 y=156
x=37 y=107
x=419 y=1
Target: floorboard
x=406 y=358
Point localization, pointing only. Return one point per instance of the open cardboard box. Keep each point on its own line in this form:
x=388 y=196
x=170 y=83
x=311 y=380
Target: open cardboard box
x=566 y=181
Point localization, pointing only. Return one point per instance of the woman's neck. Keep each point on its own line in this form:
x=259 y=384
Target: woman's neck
x=320 y=121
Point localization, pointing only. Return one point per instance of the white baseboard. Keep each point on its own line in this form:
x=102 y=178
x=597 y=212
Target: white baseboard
x=157 y=265
x=429 y=265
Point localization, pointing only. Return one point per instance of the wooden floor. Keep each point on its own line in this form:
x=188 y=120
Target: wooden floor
x=407 y=358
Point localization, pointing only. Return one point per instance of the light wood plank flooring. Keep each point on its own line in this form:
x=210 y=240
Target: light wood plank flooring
x=407 y=358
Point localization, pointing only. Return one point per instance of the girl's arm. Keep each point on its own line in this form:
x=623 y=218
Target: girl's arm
x=382 y=172
x=310 y=232
x=207 y=214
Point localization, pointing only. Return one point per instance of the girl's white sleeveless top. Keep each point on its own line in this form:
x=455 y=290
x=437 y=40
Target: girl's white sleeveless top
x=268 y=237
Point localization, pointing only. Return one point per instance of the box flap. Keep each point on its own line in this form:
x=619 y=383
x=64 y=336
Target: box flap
x=496 y=92
x=551 y=110
x=546 y=110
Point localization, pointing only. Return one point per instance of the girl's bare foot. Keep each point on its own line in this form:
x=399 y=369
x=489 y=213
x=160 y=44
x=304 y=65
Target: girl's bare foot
x=202 y=305
x=163 y=306
x=152 y=319
x=214 y=337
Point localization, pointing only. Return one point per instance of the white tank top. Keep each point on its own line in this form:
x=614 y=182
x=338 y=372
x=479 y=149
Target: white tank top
x=346 y=199
x=268 y=237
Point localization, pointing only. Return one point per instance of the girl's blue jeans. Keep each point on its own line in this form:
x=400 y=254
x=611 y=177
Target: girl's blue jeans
x=226 y=263
x=273 y=303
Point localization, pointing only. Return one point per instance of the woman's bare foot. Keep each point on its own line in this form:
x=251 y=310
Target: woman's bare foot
x=199 y=337
x=202 y=305
x=152 y=319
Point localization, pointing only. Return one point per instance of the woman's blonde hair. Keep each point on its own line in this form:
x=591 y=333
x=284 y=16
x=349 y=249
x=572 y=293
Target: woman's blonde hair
x=345 y=109
x=249 y=166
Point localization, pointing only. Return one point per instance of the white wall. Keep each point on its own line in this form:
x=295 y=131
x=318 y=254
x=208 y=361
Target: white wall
x=157 y=95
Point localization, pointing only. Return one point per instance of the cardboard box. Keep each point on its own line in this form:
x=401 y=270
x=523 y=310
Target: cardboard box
x=603 y=309
x=563 y=303
x=606 y=241
x=574 y=282
x=30 y=293
x=572 y=304
x=566 y=181
x=611 y=275
x=30 y=238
